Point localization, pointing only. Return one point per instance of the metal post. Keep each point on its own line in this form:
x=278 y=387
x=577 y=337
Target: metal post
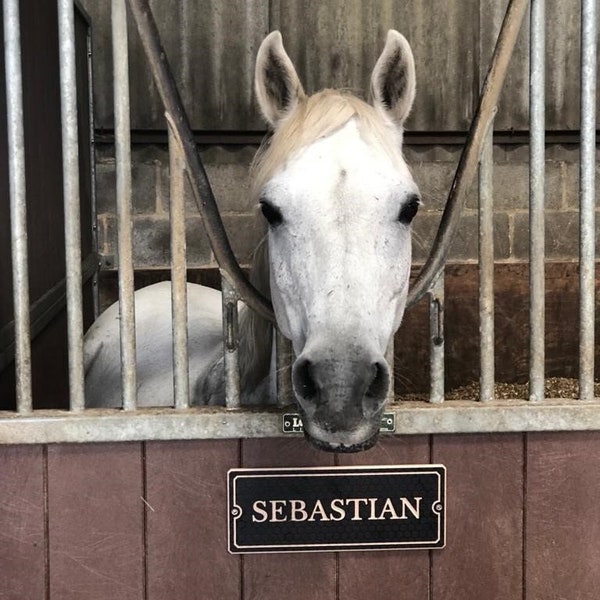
x=486 y=268
x=181 y=382
x=536 y=201
x=587 y=196
x=68 y=97
x=389 y=357
x=18 y=208
x=436 y=329
x=284 y=359
x=125 y=222
x=231 y=343
x=90 y=74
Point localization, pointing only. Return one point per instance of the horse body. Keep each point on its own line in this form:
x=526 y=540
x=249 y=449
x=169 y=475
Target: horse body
x=154 y=349
x=338 y=199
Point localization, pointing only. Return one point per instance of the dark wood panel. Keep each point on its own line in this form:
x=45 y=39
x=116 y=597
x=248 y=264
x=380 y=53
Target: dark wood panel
x=483 y=557
x=511 y=323
x=96 y=521
x=211 y=46
x=562 y=523
x=562 y=25
x=187 y=520
x=385 y=575
x=22 y=523
x=292 y=576
x=336 y=44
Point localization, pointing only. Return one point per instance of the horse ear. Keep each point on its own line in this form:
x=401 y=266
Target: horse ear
x=393 y=82
x=278 y=88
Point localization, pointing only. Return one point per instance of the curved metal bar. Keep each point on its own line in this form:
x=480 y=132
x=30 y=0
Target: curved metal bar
x=200 y=185
x=467 y=166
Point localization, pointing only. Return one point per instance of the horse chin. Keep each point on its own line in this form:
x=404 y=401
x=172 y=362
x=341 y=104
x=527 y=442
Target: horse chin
x=340 y=447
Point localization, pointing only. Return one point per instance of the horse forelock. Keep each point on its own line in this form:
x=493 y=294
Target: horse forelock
x=316 y=117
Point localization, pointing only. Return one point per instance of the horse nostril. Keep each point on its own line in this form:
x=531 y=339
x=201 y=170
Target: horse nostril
x=379 y=384
x=303 y=380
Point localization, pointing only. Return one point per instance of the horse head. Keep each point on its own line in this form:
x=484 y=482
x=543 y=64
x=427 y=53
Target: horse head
x=339 y=200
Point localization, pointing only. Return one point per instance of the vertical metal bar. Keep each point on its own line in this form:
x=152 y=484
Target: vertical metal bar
x=389 y=357
x=230 y=337
x=90 y=74
x=68 y=96
x=486 y=268
x=181 y=382
x=284 y=358
x=536 y=201
x=18 y=208
x=125 y=222
x=587 y=196
x=436 y=329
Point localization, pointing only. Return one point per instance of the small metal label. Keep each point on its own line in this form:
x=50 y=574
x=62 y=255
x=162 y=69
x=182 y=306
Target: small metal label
x=292 y=423
x=336 y=508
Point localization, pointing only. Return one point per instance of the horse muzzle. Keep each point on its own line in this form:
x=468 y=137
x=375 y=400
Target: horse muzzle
x=341 y=402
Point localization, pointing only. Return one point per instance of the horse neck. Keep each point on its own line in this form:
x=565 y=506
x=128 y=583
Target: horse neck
x=256 y=333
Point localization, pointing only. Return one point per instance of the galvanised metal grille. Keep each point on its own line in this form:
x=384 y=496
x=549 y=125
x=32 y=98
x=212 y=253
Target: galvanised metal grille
x=26 y=425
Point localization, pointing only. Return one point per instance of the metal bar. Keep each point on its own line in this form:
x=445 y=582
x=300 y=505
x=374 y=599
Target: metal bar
x=587 y=197
x=90 y=74
x=469 y=159
x=536 y=201
x=181 y=381
x=200 y=185
x=436 y=333
x=411 y=418
x=70 y=149
x=410 y=138
x=18 y=206
x=124 y=217
x=390 y=359
x=230 y=343
x=284 y=359
x=486 y=268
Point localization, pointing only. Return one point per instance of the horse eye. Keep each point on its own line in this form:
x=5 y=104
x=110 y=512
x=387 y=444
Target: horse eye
x=271 y=213
x=409 y=210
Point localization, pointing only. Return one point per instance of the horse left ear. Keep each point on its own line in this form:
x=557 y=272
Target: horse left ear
x=393 y=82
x=277 y=85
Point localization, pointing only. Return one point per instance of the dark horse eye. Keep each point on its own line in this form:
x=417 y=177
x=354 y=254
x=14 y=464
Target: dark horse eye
x=409 y=210
x=271 y=213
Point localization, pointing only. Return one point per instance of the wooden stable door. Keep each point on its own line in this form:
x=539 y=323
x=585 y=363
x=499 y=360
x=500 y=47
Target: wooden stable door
x=148 y=521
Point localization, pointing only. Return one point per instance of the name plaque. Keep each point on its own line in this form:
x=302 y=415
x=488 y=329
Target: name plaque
x=336 y=508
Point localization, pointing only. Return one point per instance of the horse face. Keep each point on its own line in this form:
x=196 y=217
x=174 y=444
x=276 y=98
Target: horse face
x=339 y=209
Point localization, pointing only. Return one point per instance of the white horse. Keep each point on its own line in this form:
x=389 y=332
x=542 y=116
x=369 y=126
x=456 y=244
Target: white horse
x=339 y=199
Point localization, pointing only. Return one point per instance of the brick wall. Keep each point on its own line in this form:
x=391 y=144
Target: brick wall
x=433 y=168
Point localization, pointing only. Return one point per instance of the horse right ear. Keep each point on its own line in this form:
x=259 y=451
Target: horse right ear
x=278 y=88
x=393 y=82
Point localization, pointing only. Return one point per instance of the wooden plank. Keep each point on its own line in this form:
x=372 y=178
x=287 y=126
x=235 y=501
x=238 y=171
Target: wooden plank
x=384 y=575
x=292 y=576
x=187 y=520
x=483 y=556
x=211 y=46
x=95 y=521
x=22 y=523
x=562 y=529
x=562 y=66
x=336 y=44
